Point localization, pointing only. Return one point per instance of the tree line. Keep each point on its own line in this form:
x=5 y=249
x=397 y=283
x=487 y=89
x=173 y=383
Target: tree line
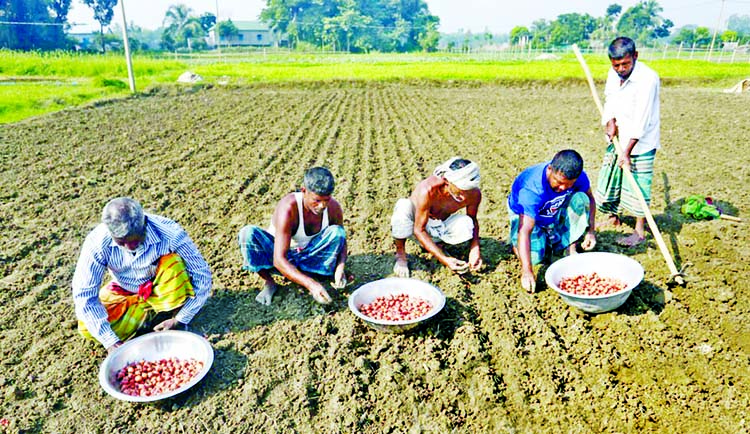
x=642 y=22
x=352 y=26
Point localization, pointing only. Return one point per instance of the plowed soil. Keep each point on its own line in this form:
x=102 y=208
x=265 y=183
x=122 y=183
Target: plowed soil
x=671 y=359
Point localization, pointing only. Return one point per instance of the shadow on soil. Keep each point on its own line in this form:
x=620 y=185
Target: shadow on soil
x=235 y=310
x=227 y=369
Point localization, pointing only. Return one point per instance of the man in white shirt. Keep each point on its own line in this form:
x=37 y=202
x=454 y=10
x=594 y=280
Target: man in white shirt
x=631 y=113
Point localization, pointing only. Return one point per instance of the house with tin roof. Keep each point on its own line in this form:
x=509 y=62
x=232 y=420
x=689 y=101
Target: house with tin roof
x=250 y=34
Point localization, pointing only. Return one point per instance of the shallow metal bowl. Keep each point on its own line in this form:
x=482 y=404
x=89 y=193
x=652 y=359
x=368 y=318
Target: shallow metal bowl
x=396 y=285
x=605 y=264
x=153 y=347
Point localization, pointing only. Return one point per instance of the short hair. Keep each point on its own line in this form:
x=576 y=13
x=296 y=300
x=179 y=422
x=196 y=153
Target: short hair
x=459 y=163
x=123 y=216
x=621 y=47
x=319 y=180
x=569 y=162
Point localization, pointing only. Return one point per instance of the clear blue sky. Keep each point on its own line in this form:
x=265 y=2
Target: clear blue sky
x=474 y=15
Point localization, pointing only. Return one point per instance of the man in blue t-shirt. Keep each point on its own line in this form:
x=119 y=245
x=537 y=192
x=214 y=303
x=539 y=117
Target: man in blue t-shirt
x=550 y=205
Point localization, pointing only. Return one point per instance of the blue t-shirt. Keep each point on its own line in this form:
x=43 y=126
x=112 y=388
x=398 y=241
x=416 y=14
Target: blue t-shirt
x=532 y=195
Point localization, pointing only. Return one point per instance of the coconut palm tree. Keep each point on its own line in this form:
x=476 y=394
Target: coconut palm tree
x=180 y=26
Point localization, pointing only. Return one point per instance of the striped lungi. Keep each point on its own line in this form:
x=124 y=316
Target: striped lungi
x=612 y=194
x=127 y=311
x=570 y=225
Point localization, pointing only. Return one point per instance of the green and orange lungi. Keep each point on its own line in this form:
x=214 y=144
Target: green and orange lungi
x=127 y=311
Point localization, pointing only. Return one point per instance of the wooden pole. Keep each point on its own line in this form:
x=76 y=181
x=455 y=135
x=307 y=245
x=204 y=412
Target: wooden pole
x=731 y=218
x=716 y=30
x=629 y=176
x=128 y=61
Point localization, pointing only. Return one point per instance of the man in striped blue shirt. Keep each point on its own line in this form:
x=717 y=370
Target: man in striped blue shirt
x=154 y=267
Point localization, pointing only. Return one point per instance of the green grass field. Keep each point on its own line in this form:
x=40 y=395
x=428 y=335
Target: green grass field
x=34 y=83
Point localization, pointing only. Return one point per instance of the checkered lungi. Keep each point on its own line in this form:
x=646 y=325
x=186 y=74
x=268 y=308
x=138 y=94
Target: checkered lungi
x=319 y=256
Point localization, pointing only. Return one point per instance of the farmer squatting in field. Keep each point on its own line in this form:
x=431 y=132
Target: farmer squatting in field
x=306 y=236
x=550 y=206
x=631 y=112
x=155 y=267
x=429 y=215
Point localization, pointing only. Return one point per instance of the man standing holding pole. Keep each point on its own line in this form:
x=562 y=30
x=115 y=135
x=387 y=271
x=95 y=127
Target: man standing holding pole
x=631 y=113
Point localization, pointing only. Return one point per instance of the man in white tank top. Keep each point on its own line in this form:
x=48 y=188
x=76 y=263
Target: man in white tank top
x=306 y=236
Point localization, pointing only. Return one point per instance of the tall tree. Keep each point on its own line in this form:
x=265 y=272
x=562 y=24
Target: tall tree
x=518 y=34
x=208 y=21
x=357 y=25
x=643 y=23
x=59 y=10
x=182 y=29
x=103 y=13
x=570 y=29
x=21 y=29
x=740 y=24
x=225 y=30
x=540 y=33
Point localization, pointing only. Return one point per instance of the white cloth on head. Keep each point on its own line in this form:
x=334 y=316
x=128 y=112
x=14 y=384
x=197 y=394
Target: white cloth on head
x=465 y=178
x=456 y=229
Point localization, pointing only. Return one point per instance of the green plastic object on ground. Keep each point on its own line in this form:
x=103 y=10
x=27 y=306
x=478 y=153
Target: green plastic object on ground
x=697 y=207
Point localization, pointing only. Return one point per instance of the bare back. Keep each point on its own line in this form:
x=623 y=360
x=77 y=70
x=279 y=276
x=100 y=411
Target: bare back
x=432 y=198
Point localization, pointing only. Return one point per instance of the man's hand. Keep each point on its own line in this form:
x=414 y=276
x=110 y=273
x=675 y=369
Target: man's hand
x=167 y=324
x=457 y=265
x=589 y=241
x=339 y=277
x=114 y=346
x=320 y=294
x=475 y=260
x=624 y=161
x=611 y=129
x=528 y=281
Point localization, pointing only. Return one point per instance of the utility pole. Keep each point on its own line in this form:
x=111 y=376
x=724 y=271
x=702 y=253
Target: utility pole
x=716 y=30
x=216 y=30
x=131 y=77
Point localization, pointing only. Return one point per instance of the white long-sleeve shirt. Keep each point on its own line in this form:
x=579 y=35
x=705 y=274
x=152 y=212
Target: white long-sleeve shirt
x=100 y=253
x=634 y=105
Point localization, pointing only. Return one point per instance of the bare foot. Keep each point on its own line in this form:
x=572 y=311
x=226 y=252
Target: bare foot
x=401 y=267
x=631 y=240
x=612 y=220
x=265 y=296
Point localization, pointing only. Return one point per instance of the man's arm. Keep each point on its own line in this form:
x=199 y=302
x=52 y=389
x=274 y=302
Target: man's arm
x=589 y=240
x=200 y=276
x=87 y=280
x=528 y=279
x=285 y=220
x=421 y=217
x=336 y=217
x=472 y=209
x=421 y=201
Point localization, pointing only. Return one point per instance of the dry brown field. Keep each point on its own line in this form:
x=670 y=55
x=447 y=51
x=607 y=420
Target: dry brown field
x=671 y=359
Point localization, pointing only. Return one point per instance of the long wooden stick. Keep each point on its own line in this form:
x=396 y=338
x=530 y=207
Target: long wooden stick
x=629 y=176
x=731 y=218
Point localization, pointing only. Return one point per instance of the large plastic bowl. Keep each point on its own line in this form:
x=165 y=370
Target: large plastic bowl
x=153 y=347
x=604 y=264
x=368 y=292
